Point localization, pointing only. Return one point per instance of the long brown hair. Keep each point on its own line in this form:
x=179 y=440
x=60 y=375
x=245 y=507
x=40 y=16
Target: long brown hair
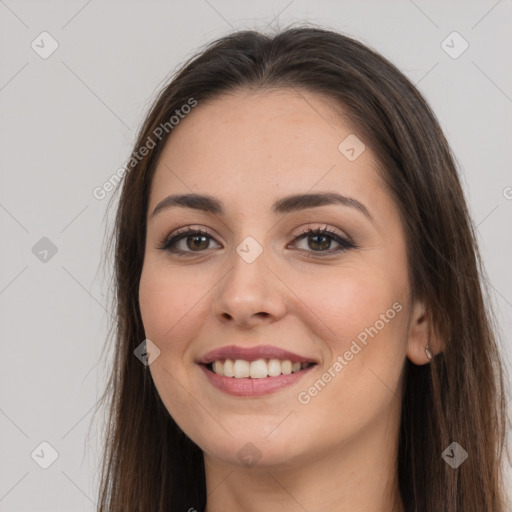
x=149 y=464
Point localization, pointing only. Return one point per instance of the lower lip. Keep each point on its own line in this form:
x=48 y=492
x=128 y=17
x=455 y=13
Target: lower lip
x=253 y=387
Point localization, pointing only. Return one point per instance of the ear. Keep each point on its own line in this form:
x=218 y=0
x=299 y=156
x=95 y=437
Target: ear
x=422 y=334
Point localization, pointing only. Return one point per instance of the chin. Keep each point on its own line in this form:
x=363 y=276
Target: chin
x=244 y=453
x=252 y=446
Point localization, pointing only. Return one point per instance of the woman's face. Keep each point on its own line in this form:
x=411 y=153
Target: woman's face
x=340 y=299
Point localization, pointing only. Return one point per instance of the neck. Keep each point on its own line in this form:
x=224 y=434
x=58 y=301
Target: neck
x=360 y=476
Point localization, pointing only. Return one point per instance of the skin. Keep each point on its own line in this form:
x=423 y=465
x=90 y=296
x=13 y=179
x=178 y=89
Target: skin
x=338 y=451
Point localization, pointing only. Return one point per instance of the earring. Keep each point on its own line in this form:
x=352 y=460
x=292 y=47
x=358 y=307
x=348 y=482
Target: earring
x=428 y=351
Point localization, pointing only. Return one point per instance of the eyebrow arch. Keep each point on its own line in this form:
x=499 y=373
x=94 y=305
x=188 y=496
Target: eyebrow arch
x=281 y=206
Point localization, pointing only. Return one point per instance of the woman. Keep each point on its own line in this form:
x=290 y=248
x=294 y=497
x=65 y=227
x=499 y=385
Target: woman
x=301 y=323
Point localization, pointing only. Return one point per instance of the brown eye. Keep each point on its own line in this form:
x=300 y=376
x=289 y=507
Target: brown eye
x=195 y=241
x=320 y=240
x=190 y=242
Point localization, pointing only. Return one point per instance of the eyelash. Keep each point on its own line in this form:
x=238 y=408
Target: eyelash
x=344 y=243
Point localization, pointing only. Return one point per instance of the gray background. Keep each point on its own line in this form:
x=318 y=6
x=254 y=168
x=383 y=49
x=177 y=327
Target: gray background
x=68 y=123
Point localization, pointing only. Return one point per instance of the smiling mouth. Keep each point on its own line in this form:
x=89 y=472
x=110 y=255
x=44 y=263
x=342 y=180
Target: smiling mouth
x=259 y=369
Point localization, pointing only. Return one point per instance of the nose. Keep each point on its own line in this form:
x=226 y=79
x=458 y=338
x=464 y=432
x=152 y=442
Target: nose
x=250 y=294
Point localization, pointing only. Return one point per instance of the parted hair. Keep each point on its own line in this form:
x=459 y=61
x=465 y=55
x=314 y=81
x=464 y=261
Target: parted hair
x=148 y=463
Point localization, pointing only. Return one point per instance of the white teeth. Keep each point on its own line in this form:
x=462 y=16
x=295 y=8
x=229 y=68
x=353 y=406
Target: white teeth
x=274 y=368
x=229 y=370
x=241 y=369
x=218 y=367
x=258 y=369
x=286 y=367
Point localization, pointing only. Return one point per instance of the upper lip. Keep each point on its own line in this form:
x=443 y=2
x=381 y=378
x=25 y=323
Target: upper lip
x=252 y=354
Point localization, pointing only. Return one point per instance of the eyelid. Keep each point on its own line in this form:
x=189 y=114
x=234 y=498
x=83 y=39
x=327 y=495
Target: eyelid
x=325 y=228
x=301 y=231
x=187 y=229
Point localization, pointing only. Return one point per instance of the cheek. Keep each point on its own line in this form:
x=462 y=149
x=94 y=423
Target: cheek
x=365 y=318
x=167 y=300
x=169 y=306
x=351 y=303
x=362 y=315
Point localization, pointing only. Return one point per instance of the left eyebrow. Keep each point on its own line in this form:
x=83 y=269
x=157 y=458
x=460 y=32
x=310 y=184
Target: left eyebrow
x=284 y=205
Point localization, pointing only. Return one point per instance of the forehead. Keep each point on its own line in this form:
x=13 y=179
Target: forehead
x=254 y=147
